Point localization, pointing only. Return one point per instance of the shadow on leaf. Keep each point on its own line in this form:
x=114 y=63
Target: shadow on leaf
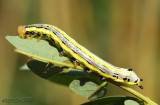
x=42 y=69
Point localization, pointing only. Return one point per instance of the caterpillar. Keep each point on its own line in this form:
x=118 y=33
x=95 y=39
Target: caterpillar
x=79 y=55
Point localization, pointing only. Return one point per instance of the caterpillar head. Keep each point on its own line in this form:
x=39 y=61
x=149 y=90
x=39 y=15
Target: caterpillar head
x=134 y=79
x=21 y=31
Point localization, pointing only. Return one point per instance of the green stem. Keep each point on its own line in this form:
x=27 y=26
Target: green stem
x=48 y=60
x=100 y=86
x=80 y=68
x=150 y=102
x=130 y=90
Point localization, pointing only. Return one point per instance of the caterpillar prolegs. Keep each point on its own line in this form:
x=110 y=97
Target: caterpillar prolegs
x=77 y=54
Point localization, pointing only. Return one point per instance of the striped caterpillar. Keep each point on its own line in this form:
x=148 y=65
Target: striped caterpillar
x=77 y=54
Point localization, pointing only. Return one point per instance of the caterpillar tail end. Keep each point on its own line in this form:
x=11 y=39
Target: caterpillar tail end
x=21 y=31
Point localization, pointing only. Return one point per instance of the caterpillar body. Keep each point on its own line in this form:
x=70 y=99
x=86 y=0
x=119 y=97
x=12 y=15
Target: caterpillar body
x=77 y=54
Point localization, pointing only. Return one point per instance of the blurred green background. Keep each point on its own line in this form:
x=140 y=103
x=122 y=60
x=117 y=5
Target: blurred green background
x=123 y=32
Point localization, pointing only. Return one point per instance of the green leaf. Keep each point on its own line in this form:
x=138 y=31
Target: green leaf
x=85 y=87
x=54 y=74
x=43 y=70
x=24 y=67
x=131 y=102
x=41 y=48
x=51 y=72
x=116 y=100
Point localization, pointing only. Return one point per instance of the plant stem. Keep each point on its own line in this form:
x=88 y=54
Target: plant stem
x=130 y=90
x=100 y=86
x=48 y=60
x=150 y=102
